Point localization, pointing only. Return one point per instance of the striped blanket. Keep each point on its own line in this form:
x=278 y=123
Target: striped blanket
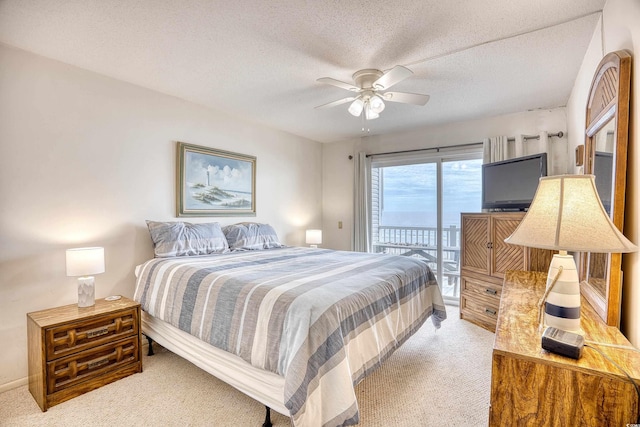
x=322 y=319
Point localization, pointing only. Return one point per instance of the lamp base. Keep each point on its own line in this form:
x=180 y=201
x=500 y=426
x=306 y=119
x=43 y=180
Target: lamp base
x=562 y=306
x=86 y=291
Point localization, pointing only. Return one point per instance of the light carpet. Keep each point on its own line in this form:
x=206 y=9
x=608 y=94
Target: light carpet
x=437 y=378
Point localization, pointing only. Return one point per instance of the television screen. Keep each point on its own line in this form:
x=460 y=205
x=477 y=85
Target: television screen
x=511 y=184
x=603 y=170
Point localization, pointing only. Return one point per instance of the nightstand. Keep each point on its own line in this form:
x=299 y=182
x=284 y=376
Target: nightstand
x=74 y=350
x=532 y=387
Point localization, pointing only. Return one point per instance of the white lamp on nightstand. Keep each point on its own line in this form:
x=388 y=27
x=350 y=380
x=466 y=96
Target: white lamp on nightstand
x=314 y=238
x=84 y=262
x=567 y=215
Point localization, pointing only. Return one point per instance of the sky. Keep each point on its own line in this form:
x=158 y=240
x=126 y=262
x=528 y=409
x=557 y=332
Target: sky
x=224 y=173
x=410 y=192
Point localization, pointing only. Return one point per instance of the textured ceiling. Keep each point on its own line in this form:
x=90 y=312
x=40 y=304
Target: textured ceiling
x=259 y=59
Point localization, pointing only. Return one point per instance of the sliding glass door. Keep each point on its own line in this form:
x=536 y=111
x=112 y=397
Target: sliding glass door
x=415 y=209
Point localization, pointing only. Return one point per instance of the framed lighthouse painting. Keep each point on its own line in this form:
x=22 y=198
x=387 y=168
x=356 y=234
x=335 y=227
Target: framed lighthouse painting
x=213 y=182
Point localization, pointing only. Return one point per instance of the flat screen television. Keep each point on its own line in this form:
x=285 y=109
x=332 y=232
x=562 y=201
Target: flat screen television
x=603 y=170
x=511 y=184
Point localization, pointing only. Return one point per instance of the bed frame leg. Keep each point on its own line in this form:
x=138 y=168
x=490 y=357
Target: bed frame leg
x=267 y=419
x=150 y=341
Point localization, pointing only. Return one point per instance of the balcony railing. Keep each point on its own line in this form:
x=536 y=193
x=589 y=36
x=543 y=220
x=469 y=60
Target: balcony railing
x=422 y=242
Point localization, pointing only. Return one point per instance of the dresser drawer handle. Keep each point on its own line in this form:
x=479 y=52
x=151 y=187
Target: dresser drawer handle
x=491 y=291
x=97 y=332
x=490 y=311
x=98 y=362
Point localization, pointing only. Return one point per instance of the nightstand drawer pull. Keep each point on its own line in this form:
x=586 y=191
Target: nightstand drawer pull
x=490 y=311
x=97 y=332
x=97 y=362
x=491 y=291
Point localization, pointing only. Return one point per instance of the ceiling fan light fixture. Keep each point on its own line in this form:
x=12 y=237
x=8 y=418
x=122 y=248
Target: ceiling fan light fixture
x=371 y=86
x=369 y=113
x=356 y=107
x=376 y=104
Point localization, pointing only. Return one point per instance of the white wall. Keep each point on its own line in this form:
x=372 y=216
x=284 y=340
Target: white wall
x=85 y=160
x=337 y=195
x=337 y=169
x=620 y=30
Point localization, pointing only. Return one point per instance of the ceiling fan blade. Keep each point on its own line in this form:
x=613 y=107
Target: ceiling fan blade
x=338 y=102
x=338 y=83
x=406 y=98
x=391 y=77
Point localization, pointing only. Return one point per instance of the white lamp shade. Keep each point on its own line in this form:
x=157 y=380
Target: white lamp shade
x=314 y=237
x=377 y=105
x=356 y=107
x=85 y=261
x=369 y=113
x=567 y=214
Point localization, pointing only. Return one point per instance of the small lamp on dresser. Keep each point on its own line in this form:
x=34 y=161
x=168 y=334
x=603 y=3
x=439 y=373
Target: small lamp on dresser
x=314 y=238
x=85 y=262
x=567 y=215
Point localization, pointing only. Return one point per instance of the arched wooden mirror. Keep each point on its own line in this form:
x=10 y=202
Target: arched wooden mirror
x=607 y=131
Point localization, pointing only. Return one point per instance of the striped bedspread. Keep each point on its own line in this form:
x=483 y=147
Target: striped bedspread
x=322 y=319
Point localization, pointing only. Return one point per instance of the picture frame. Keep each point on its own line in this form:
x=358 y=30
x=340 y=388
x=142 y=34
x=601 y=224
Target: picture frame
x=212 y=182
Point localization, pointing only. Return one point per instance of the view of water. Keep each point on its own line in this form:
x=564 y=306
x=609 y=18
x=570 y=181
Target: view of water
x=421 y=219
x=408 y=195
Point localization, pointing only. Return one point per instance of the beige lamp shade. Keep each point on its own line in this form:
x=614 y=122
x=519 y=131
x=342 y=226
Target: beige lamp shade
x=85 y=261
x=567 y=214
x=314 y=237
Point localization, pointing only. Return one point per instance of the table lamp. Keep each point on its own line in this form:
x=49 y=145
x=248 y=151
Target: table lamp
x=84 y=262
x=314 y=238
x=567 y=215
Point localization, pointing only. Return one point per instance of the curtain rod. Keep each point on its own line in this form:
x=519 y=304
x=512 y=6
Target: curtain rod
x=524 y=137
x=528 y=137
x=424 y=149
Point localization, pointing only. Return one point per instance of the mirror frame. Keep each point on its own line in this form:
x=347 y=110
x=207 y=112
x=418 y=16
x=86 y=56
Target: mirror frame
x=609 y=101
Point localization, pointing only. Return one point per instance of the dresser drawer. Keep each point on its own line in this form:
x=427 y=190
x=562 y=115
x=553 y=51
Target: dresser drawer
x=481 y=289
x=71 y=370
x=78 y=336
x=482 y=311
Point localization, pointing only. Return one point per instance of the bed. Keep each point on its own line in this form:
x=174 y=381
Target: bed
x=294 y=328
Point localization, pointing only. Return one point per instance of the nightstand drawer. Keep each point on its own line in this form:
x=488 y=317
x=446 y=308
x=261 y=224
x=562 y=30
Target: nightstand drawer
x=78 y=336
x=94 y=362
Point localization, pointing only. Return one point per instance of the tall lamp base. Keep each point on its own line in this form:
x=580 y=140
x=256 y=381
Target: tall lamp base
x=562 y=306
x=86 y=291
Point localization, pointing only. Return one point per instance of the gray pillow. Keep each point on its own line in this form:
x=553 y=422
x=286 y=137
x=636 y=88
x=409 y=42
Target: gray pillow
x=251 y=236
x=185 y=239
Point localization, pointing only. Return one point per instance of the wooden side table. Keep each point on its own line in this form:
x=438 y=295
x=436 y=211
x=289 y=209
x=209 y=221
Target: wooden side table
x=532 y=387
x=73 y=350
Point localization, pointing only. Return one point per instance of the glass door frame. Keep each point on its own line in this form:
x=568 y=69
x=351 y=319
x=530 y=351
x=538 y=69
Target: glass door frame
x=438 y=157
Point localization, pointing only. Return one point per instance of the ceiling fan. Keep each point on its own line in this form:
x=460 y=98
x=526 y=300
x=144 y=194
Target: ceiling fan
x=369 y=91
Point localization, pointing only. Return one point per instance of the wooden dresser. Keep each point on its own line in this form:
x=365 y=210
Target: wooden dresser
x=485 y=258
x=532 y=387
x=74 y=350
